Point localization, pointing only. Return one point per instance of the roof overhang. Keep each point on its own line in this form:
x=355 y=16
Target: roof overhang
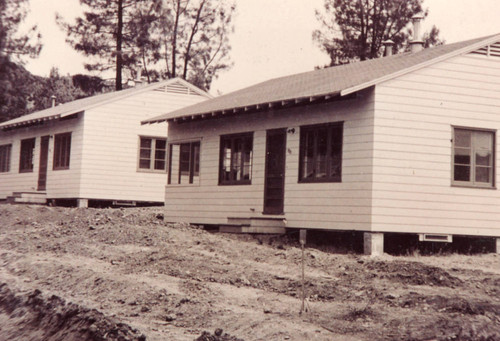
x=253 y=108
x=275 y=105
x=36 y=121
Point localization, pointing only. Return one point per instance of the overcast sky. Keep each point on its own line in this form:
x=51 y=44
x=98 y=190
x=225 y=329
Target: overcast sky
x=272 y=37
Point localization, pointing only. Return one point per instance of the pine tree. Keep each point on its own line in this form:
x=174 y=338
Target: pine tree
x=355 y=29
x=14 y=45
x=158 y=38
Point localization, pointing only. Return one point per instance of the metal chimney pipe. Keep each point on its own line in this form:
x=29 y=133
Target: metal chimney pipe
x=53 y=99
x=388 y=45
x=417 y=44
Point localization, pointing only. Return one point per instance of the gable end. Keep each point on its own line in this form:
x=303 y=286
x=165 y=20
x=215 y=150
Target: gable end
x=492 y=50
x=177 y=88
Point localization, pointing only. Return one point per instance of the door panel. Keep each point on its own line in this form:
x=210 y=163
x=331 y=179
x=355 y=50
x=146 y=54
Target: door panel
x=44 y=156
x=274 y=187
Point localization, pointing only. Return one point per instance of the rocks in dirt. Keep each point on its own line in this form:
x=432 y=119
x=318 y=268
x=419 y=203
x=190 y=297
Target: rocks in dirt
x=391 y=296
x=170 y=318
x=244 y=280
x=218 y=335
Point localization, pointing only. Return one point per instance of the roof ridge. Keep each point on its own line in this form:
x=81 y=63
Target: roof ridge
x=336 y=80
x=85 y=103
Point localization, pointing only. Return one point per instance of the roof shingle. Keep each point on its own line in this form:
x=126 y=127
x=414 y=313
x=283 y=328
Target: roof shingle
x=335 y=80
x=89 y=102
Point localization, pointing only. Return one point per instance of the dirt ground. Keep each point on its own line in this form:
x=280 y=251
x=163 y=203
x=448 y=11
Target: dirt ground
x=124 y=274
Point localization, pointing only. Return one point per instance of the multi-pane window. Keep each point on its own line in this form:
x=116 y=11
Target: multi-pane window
x=62 y=151
x=236 y=159
x=153 y=154
x=27 y=155
x=473 y=157
x=321 y=153
x=184 y=163
x=5 y=158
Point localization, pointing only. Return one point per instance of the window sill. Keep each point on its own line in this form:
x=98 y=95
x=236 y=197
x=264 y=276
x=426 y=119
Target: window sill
x=314 y=181
x=472 y=186
x=60 y=168
x=26 y=171
x=158 y=171
x=183 y=185
x=238 y=183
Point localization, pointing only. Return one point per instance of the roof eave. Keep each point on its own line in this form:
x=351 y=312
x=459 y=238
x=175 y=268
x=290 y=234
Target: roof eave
x=279 y=104
x=35 y=121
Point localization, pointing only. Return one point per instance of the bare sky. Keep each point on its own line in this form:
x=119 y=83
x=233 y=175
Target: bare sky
x=272 y=37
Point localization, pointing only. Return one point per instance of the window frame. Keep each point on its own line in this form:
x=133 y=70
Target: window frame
x=5 y=159
x=302 y=150
x=232 y=138
x=62 y=161
x=194 y=164
x=473 y=183
x=152 y=155
x=24 y=158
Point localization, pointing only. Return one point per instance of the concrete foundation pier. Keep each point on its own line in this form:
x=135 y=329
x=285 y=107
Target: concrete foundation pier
x=373 y=243
x=82 y=203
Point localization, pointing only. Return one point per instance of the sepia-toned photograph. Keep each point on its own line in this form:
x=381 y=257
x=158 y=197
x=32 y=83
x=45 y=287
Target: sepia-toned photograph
x=247 y=170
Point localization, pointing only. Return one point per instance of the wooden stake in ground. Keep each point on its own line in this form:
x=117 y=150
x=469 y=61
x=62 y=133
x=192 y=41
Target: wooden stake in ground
x=302 y=238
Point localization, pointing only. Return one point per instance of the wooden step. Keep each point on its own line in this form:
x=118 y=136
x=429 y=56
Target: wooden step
x=27 y=198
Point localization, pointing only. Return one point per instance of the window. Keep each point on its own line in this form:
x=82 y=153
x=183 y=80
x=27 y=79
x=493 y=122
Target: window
x=321 y=153
x=26 y=157
x=184 y=164
x=153 y=154
x=236 y=159
x=62 y=151
x=473 y=157
x=5 y=158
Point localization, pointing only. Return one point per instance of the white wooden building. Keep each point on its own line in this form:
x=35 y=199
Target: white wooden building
x=93 y=148
x=405 y=143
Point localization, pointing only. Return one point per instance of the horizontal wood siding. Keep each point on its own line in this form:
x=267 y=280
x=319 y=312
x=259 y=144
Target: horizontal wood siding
x=60 y=183
x=111 y=148
x=414 y=115
x=344 y=205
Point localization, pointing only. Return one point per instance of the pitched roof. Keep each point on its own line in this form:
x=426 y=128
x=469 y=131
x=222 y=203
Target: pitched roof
x=328 y=82
x=82 y=104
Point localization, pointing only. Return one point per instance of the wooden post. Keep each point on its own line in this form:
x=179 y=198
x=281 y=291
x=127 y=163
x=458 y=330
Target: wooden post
x=303 y=235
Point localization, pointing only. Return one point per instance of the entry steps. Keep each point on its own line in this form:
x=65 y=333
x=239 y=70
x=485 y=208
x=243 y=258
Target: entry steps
x=27 y=198
x=261 y=225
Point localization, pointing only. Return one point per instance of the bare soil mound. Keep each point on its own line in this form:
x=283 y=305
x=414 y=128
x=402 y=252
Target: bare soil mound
x=34 y=317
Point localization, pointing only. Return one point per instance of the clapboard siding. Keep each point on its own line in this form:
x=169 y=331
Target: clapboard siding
x=345 y=205
x=414 y=115
x=60 y=183
x=111 y=146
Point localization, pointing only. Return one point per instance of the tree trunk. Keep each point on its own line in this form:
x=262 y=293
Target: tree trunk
x=174 y=38
x=190 y=41
x=119 y=38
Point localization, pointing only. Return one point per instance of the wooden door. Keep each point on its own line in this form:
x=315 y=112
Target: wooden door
x=274 y=186
x=44 y=156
